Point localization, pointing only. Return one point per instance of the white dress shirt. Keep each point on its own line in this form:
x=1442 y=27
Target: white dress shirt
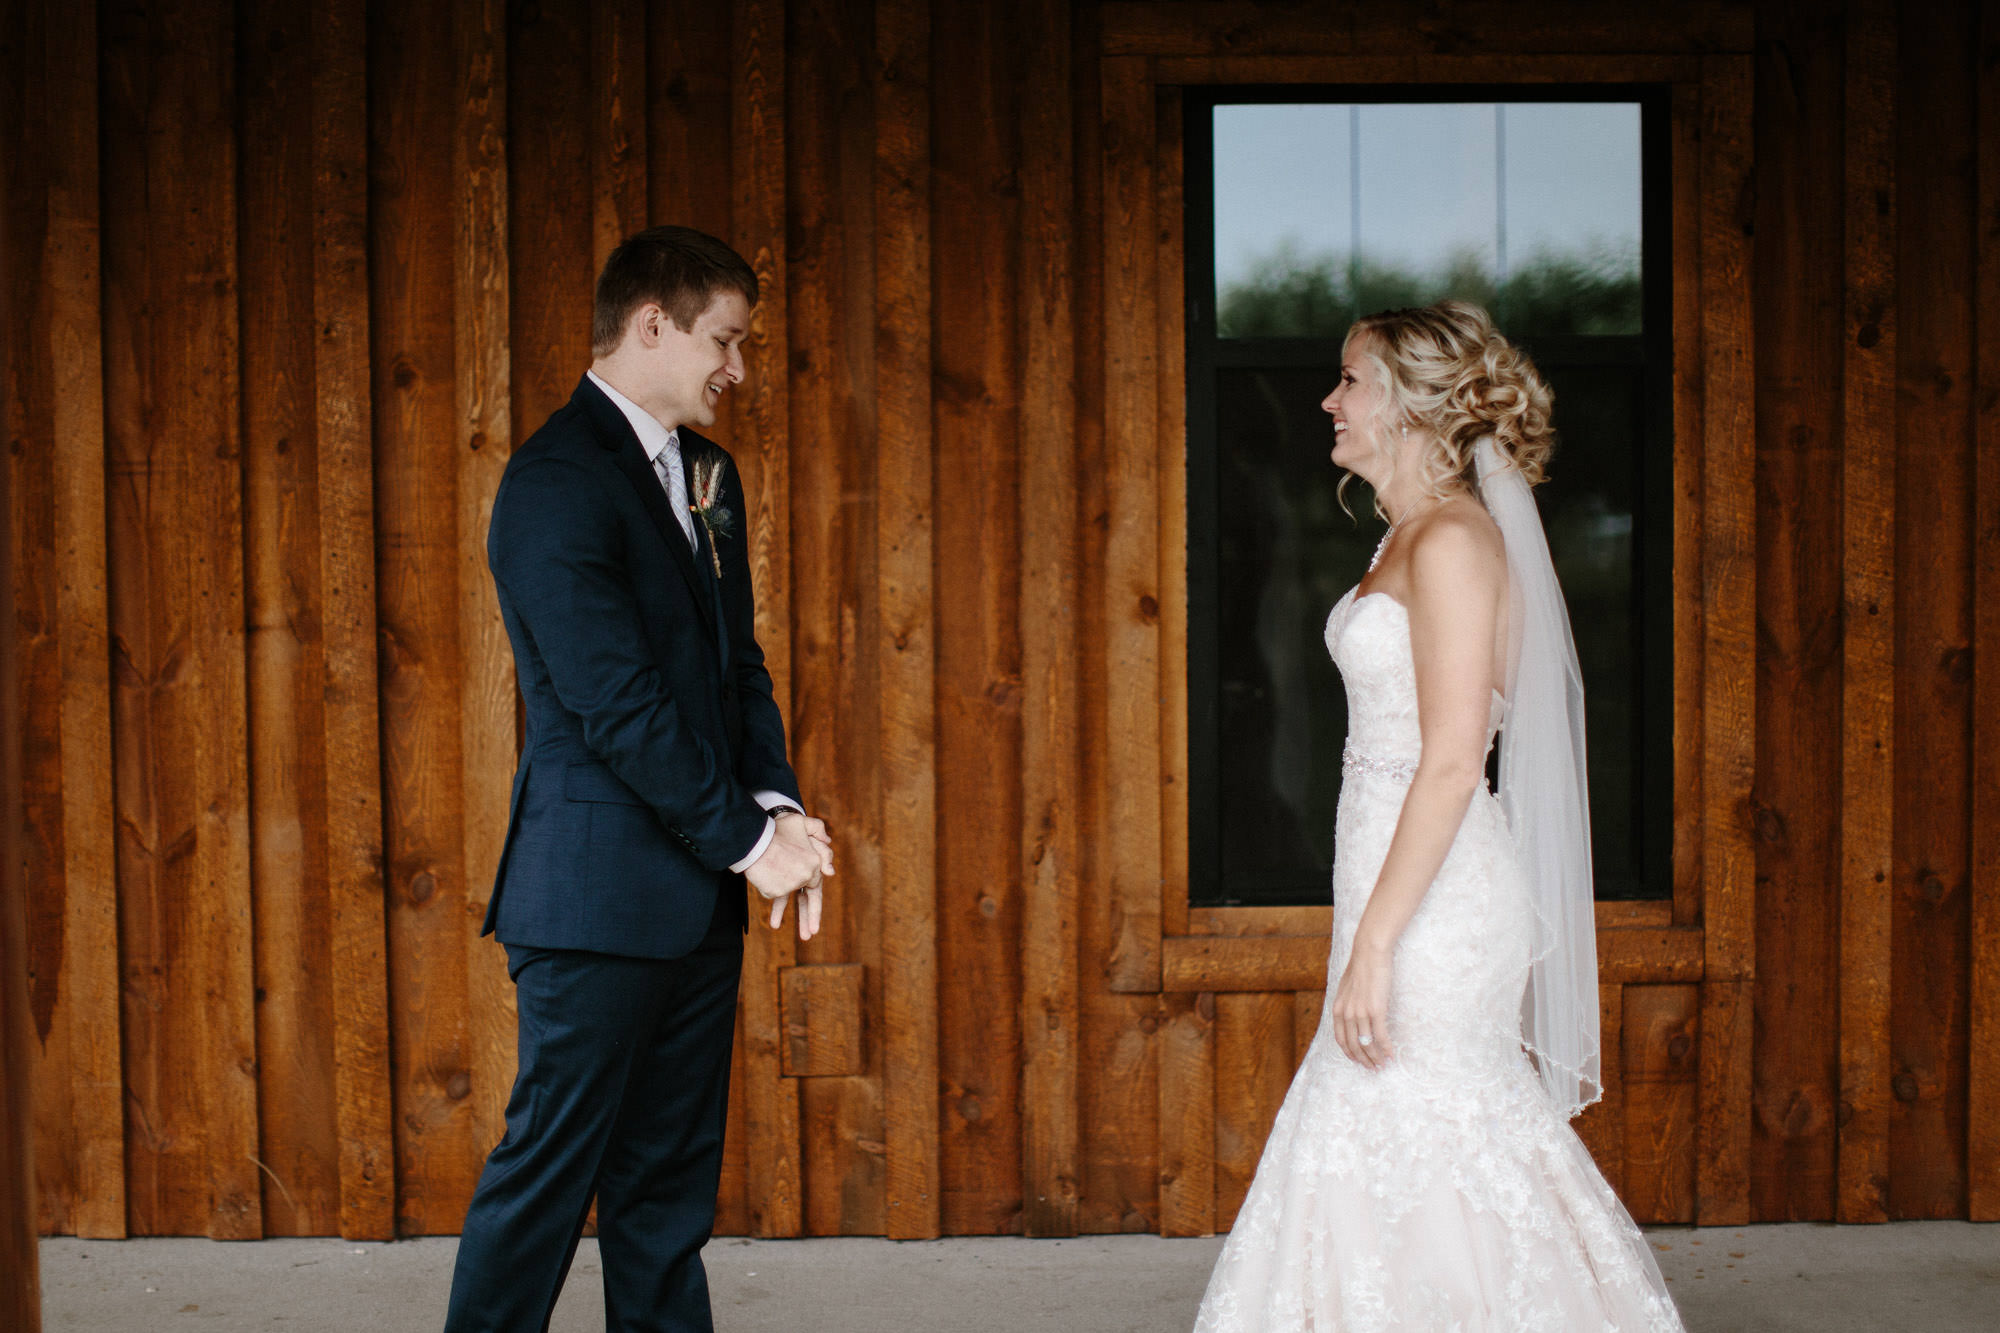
x=663 y=451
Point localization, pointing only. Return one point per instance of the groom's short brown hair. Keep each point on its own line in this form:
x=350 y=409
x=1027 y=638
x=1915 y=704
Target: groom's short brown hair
x=677 y=268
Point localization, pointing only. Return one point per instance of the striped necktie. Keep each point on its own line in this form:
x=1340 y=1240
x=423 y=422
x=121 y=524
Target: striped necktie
x=668 y=465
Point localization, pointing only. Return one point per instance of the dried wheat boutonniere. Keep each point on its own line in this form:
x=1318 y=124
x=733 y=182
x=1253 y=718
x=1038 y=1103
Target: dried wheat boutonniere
x=705 y=502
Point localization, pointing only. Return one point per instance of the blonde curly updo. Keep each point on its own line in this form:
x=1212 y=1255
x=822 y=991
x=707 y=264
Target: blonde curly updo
x=1449 y=372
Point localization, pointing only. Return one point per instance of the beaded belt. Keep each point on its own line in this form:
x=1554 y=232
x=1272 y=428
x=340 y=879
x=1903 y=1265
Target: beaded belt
x=1359 y=761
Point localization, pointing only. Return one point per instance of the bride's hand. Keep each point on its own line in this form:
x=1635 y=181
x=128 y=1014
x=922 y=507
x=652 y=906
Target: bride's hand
x=1361 y=1007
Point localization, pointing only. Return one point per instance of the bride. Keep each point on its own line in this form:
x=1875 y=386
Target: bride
x=1421 y=1174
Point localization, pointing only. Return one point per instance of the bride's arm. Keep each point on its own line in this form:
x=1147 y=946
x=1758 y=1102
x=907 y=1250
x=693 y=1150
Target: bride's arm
x=1456 y=579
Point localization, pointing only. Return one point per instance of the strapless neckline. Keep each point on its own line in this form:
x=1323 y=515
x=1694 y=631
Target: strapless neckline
x=1353 y=603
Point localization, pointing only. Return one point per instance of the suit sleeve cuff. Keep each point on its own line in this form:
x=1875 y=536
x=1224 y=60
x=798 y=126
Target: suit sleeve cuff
x=770 y=800
x=763 y=841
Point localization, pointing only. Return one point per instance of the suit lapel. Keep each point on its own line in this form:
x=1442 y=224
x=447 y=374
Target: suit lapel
x=616 y=434
x=705 y=562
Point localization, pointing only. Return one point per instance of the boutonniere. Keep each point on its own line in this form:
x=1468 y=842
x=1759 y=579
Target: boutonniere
x=705 y=502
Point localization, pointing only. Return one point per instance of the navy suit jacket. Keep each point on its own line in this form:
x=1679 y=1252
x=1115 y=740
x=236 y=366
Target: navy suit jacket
x=650 y=720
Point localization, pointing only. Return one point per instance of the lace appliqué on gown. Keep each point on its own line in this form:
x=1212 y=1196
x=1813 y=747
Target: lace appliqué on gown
x=1444 y=1193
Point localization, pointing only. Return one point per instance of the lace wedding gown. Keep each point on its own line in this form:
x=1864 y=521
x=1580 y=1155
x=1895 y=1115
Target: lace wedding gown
x=1446 y=1191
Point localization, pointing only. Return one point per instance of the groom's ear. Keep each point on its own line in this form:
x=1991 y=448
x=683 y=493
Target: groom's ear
x=648 y=325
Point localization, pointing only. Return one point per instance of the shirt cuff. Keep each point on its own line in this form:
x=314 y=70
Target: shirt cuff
x=769 y=800
x=763 y=841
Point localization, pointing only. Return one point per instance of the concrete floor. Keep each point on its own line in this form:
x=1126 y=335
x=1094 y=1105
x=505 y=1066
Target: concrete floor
x=1911 y=1277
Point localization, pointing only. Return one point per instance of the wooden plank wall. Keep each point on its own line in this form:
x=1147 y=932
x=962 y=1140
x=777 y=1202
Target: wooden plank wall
x=1936 y=337
x=20 y=1267
x=284 y=283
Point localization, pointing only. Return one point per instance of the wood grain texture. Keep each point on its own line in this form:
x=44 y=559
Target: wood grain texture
x=483 y=438
x=1254 y=1060
x=541 y=110
x=1983 y=1073
x=1613 y=914
x=176 y=589
x=54 y=401
x=907 y=646
x=836 y=734
x=1930 y=918
x=350 y=718
x=1722 y=1183
x=1868 y=666
x=1659 y=1049
x=23 y=220
x=1298 y=962
x=286 y=667
x=413 y=104
x=618 y=122
x=1643 y=954
x=1795 y=827
x=1470 y=67
x=690 y=118
x=34 y=837
x=762 y=424
x=1729 y=589
x=1254 y=921
x=1610 y=914
x=821 y=1007
x=1050 y=606
x=1170 y=262
x=23 y=215
x=1252 y=963
x=1118 y=1082
x=1602 y=1126
x=1690 y=439
x=20 y=1264
x=1729 y=581
x=1133 y=841
x=1187 y=1114
x=1308 y=1007
x=1239 y=27
x=976 y=415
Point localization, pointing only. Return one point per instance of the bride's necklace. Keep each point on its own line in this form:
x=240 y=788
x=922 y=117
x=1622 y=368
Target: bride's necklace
x=1382 y=546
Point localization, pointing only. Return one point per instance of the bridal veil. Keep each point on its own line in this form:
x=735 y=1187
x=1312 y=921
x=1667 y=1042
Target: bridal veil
x=1545 y=793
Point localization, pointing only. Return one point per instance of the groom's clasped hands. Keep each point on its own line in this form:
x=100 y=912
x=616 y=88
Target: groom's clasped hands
x=799 y=856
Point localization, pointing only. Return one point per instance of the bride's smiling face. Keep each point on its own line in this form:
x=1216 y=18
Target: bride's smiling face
x=1359 y=406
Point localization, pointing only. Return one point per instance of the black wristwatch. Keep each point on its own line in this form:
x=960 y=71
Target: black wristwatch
x=777 y=810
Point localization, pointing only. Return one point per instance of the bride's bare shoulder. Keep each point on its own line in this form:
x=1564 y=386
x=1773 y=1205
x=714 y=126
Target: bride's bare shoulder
x=1456 y=561
x=1455 y=541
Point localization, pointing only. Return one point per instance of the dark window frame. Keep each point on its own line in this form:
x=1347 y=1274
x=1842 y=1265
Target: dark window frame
x=1652 y=349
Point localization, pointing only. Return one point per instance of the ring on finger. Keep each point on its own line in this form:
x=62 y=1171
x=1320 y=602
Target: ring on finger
x=1366 y=1040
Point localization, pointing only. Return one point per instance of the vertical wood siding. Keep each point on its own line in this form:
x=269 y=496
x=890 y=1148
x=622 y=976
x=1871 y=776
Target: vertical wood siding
x=1931 y=892
x=1795 y=829
x=284 y=284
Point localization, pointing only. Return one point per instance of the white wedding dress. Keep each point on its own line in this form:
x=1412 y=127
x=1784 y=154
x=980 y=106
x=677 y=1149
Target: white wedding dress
x=1445 y=1192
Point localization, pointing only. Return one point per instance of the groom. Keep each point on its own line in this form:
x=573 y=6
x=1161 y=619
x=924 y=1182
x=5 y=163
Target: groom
x=652 y=783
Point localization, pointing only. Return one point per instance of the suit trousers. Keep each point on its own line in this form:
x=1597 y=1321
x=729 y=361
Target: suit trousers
x=622 y=1093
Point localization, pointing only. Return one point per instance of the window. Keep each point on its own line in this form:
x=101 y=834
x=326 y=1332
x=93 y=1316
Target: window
x=1306 y=208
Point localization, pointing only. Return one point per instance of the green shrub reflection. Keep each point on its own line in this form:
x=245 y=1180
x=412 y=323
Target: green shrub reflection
x=1294 y=295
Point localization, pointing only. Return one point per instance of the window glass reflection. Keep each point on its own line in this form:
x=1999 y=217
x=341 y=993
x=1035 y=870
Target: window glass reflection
x=1326 y=211
x=1288 y=552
